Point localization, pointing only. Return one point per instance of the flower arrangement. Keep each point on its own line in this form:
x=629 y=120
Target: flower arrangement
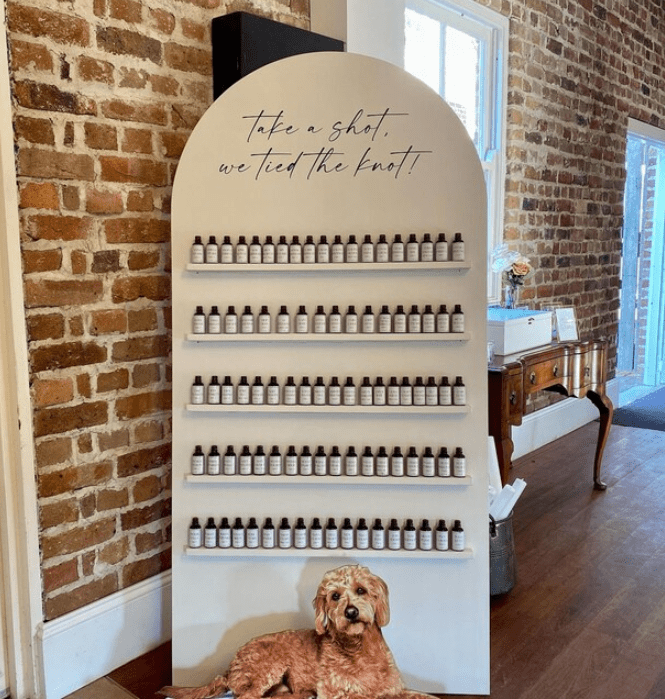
x=515 y=268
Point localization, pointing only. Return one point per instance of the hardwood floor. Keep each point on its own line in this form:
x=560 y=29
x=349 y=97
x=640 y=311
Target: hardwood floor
x=586 y=619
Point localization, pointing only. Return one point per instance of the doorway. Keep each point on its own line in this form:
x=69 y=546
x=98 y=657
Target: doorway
x=641 y=346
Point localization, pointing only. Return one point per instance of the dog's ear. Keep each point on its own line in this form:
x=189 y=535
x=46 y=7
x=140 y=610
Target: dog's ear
x=382 y=609
x=320 y=616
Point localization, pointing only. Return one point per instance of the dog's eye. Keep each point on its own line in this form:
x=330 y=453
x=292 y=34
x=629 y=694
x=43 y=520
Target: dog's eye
x=335 y=596
x=361 y=591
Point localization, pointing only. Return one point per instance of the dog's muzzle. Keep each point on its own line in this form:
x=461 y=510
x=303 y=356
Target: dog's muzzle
x=351 y=613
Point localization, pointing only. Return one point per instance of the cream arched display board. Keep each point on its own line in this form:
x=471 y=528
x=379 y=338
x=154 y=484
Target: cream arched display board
x=330 y=144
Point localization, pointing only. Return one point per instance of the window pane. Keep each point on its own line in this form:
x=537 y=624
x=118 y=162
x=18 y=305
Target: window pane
x=422 y=48
x=462 y=84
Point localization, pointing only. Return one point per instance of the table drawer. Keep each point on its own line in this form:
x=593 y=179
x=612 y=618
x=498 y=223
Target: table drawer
x=543 y=374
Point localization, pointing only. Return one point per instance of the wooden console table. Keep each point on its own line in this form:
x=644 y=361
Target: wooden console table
x=577 y=369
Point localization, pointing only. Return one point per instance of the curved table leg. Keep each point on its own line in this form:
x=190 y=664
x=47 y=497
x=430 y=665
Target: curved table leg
x=606 y=410
x=504 y=451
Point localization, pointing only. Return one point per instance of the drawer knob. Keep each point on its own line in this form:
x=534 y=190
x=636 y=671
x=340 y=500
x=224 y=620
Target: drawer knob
x=587 y=371
x=532 y=378
x=513 y=398
x=555 y=370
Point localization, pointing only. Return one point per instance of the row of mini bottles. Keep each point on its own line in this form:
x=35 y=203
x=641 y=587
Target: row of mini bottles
x=267 y=251
x=376 y=393
x=386 y=321
x=319 y=463
x=316 y=536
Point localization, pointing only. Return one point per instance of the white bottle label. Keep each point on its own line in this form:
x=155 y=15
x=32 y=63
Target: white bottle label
x=245 y=464
x=319 y=323
x=227 y=254
x=316 y=538
x=443 y=323
x=264 y=323
x=285 y=538
x=253 y=537
x=197 y=394
x=405 y=395
x=198 y=254
x=379 y=395
x=224 y=540
x=214 y=324
x=227 y=394
x=459 y=395
x=458 y=322
x=428 y=466
x=305 y=465
x=367 y=252
x=338 y=253
x=242 y=254
x=210 y=537
x=283 y=323
x=268 y=538
x=412 y=252
x=362 y=538
x=243 y=394
x=231 y=324
x=410 y=539
x=229 y=465
x=290 y=394
x=445 y=395
x=458 y=541
x=255 y=254
x=382 y=252
x=295 y=254
x=382 y=468
x=443 y=467
x=305 y=395
x=368 y=323
x=212 y=254
x=378 y=539
x=459 y=466
x=351 y=466
x=268 y=254
x=441 y=251
x=351 y=323
x=247 y=323
x=198 y=464
x=429 y=323
x=300 y=538
x=259 y=462
x=302 y=326
x=335 y=323
x=275 y=465
x=367 y=465
x=309 y=254
x=273 y=394
x=335 y=465
x=332 y=538
x=397 y=466
x=199 y=323
x=214 y=393
x=366 y=395
x=425 y=540
x=349 y=395
x=347 y=538
x=291 y=465
x=385 y=323
x=427 y=252
x=238 y=538
x=442 y=540
x=419 y=395
x=352 y=252
x=400 y=322
x=323 y=253
x=213 y=465
x=414 y=323
x=394 y=539
x=412 y=466
x=194 y=538
x=458 y=251
x=393 y=395
x=397 y=252
x=320 y=465
x=319 y=394
x=334 y=395
x=431 y=395
x=282 y=257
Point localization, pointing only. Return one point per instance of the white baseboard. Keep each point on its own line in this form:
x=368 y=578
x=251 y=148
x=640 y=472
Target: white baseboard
x=548 y=424
x=88 y=643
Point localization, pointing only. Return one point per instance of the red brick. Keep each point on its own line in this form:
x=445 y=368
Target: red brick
x=50 y=326
x=79 y=538
x=147 y=489
x=132 y=288
x=101 y=136
x=84 y=443
x=137 y=230
x=48 y=292
x=39 y=196
x=162 y=20
x=140 y=200
x=145 y=542
x=104 y=261
x=32 y=95
x=93 y=70
x=124 y=42
x=145 y=375
x=49 y=165
x=109 y=499
x=71 y=198
x=41 y=261
x=126 y=10
x=194 y=30
x=164 y=85
x=139 y=517
x=113 y=440
x=133 y=78
x=40 y=23
x=55 y=607
x=137 y=141
x=67 y=354
x=52 y=391
x=143 y=460
x=146 y=567
x=173 y=144
x=148 y=432
x=54 y=514
x=103 y=202
x=74 y=478
x=53 y=451
x=108 y=321
x=134 y=171
x=143 y=259
x=79 y=261
x=188 y=59
x=138 y=348
x=29 y=56
x=124 y=110
x=60 y=575
x=142 y=404
x=58 y=227
x=113 y=381
x=114 y=552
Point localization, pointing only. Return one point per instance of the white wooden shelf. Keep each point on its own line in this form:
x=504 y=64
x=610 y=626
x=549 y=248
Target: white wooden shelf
x=327 y=481
x=351 y=267
x=329 y=337
x=327 y=553
x=401 y=410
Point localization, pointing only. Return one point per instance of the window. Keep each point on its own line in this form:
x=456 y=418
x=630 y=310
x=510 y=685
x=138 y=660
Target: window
x=460 y=50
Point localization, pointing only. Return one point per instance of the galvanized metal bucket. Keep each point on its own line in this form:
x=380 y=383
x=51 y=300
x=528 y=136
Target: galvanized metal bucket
x=503 y=568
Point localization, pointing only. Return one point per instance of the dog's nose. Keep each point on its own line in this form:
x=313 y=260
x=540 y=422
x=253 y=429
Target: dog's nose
x=351 y=613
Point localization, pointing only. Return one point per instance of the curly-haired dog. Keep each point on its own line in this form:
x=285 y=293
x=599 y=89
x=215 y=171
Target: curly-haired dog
x=343 y=657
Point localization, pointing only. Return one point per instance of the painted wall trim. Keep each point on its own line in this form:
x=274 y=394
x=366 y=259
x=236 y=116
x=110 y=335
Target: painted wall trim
x=546 y=425
x=88 y=643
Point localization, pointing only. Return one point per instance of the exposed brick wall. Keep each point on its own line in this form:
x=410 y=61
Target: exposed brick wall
x=105 y=95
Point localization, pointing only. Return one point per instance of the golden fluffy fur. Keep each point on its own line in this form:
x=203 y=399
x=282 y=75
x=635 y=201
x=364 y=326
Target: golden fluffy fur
x=343 y=657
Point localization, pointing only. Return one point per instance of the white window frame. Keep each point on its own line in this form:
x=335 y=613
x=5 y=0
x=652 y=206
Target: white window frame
x=492 y=29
